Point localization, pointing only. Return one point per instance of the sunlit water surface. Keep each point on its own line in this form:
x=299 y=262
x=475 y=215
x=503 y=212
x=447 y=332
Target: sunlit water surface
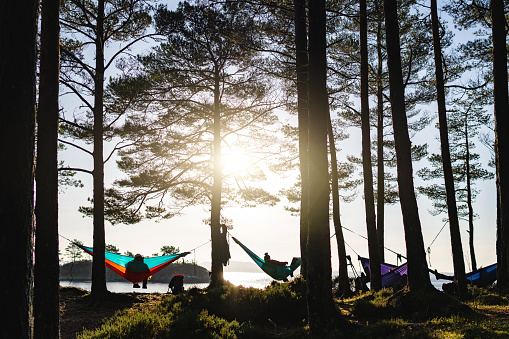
x=246 y=279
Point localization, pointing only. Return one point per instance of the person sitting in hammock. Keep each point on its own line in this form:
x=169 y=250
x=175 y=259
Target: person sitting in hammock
x=137 y=265
x=267 y=259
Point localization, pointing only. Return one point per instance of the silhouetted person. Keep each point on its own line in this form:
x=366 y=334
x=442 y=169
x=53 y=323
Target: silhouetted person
x=267 y=259
x=137 y=265
x=360 y=283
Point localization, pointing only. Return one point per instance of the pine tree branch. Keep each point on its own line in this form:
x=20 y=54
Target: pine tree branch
x=122 y=50
x=468 y=88
x=76 y=146
x=75 y=124
x=75 y=170
x=78 y=61
x=76 y=92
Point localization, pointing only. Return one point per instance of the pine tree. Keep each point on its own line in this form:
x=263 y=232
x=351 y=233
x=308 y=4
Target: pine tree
x=344 y=51
x=46 y=272
x=418 y=276
x=501 y=112
x=207 y=102
x=465 y=119
x=344 y=281
x=18 y=29
x=457 y=249
x=369 y=201
x=302 y=70
x=321 y=311
x=84 y=24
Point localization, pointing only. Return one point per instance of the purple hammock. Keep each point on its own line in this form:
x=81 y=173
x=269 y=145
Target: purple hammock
x=391 y=274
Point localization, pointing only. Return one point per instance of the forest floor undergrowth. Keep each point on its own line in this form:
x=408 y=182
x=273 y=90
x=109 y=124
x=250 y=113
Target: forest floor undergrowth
x=279 y=311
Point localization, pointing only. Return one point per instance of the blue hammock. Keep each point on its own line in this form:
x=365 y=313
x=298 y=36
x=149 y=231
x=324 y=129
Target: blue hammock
x=275 y=271
x=482 y=277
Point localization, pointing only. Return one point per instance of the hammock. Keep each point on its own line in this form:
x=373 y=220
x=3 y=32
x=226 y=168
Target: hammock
x=384 y=268
x=482 y=277
x=275 y=271
x=118 y=263
x=391 y=274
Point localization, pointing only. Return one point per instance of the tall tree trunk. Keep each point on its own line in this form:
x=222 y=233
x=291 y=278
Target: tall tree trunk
x=98 y=268
x=501 y=260
x=418 y=276
x=501 y=110
x=369 y=199
x=301 y=59
x=46 y=281
x=18 y=27
x=454 y=227
x=215 y=209
x=336 y=216
x=321 y=310
x=380 y=204
x=469 y=199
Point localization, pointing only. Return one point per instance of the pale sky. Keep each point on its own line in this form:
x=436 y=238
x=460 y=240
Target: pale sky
x=271 y=229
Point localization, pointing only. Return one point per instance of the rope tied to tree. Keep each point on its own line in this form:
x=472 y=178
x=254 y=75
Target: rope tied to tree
x=428 y=250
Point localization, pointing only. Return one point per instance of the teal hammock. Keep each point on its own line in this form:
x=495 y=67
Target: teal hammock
x=275 y=271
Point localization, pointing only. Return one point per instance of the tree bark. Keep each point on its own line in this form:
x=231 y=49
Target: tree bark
x=46 y=271
x=501 y=111
x=369 y=199
x=301 y=59
x=18 y=28
x=469 y=200
x=454 y=227
x=321 y=310
x=380 y=204
x=336 y=216
x=215 y=209
x=418 y=276
x=98 y=268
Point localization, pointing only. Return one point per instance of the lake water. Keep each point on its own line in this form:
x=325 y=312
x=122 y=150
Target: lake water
x=246 y=279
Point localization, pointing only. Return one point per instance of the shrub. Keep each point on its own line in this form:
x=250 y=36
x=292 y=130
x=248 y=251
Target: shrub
x=374 y=305
x=487 y=296
x=223 y=312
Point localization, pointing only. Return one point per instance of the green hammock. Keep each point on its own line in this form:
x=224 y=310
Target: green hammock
x=275 y=271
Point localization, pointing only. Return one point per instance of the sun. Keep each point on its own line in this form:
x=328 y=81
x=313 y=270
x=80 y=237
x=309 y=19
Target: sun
x=236 y=162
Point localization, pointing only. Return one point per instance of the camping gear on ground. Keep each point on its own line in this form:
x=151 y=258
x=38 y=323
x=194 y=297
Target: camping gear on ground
x=176 y=284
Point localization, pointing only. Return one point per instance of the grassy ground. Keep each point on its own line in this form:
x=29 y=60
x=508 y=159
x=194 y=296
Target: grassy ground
x=279 y=311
